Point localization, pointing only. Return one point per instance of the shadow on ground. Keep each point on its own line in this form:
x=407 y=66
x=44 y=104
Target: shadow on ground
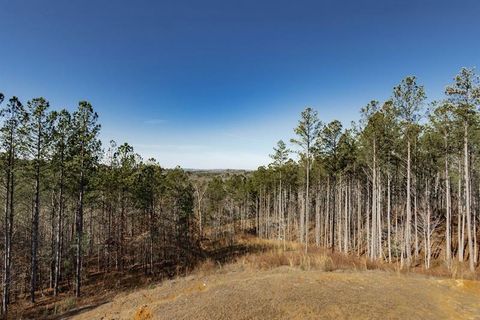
x=101 y=287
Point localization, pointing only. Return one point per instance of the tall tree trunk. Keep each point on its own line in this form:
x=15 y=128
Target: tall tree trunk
x=415 y=224
x=79 y=231
x=8 y=228
x=327 y=215
x=426 y=226
x=379 y=218
x=35 y=221
x=468 y=200
x=408 y=221
x=334 y=213
x=448 y=235
x=301 y=225
x=122 y=231
x=367 y=222
x=460 y=216
x=374 y=229
x=152 y=236
x=58 y=239
x=307 y=201
x=389 y=211
x=359 y=218
x=345 y=226
x=317 y=217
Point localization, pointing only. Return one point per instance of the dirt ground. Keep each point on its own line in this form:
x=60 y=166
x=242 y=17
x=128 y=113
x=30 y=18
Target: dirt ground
x=291 y=293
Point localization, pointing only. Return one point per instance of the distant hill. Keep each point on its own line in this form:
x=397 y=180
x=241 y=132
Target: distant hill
x=217 y=171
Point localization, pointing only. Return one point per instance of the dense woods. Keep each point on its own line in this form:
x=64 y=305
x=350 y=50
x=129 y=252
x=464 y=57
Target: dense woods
x=402 y=185
x=69 y=205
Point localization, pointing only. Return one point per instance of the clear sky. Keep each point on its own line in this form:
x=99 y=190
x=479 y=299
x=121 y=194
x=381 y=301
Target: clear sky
x=215 y=83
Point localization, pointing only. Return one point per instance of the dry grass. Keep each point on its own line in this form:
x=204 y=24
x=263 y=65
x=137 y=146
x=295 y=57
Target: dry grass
x=295 y=289
x=143 y=313
x=458 y=270
x=271 y=254
x=248 y=256
x=313 y=260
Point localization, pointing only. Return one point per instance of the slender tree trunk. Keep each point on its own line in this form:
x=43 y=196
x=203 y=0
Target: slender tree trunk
x=317 y=217
x=327 y=218
x=379 y=218
x=53 y=214
x=301 y=225
x=429 y=233
x=122 y=230
x=79 y=230
x=334 y=213
x=408 y=221
x=374 y=229
x=426 y=226
x=389 y=211
x=35 y=221
x=152 y=236
x=345 y=226
x=359 y=218
x=367 y=223
x=8 y=228
x=460 y=219
x=448 y=236
x=58 y=240
x=468 y=200
x=307 y=201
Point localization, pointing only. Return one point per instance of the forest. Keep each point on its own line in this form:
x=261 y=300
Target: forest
x=400 y=185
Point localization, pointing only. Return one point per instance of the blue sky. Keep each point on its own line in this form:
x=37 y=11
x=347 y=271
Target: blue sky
x=214 y=84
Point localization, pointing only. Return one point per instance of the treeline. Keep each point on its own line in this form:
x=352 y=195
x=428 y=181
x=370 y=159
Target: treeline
x=401 y=185
x=68 y=205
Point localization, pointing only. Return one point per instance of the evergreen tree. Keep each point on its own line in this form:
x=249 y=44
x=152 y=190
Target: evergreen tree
x=13 y=133
x=85 y=150
x=327 y=144
x=307 y=132
x=464 y=94
x=61 y=155
x=408 y=99
x=442 y=123
x=39 y=128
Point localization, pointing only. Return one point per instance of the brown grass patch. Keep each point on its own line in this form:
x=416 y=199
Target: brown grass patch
x=206 y=267
x=294 y=256
x=143 y=313
x=273 y=254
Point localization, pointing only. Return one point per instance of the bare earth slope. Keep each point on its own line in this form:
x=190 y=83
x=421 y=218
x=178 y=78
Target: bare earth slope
x=287 y=293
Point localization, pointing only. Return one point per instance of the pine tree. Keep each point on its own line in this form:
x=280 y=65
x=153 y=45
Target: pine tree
x=408 y=98
x=464 y=93
x=442 y=122
x=39 y=128
x=327 y=144
x=280 y=157
x=61 y=155
x=12 y=133
x=85 y=150
x=126 y=161
x=307 y=133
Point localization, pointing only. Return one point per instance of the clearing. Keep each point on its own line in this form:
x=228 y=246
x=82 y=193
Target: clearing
x=237 y=292
x=260 y=279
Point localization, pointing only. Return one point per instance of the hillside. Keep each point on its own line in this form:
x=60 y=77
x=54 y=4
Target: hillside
x=262 y=280
x=290 y=293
